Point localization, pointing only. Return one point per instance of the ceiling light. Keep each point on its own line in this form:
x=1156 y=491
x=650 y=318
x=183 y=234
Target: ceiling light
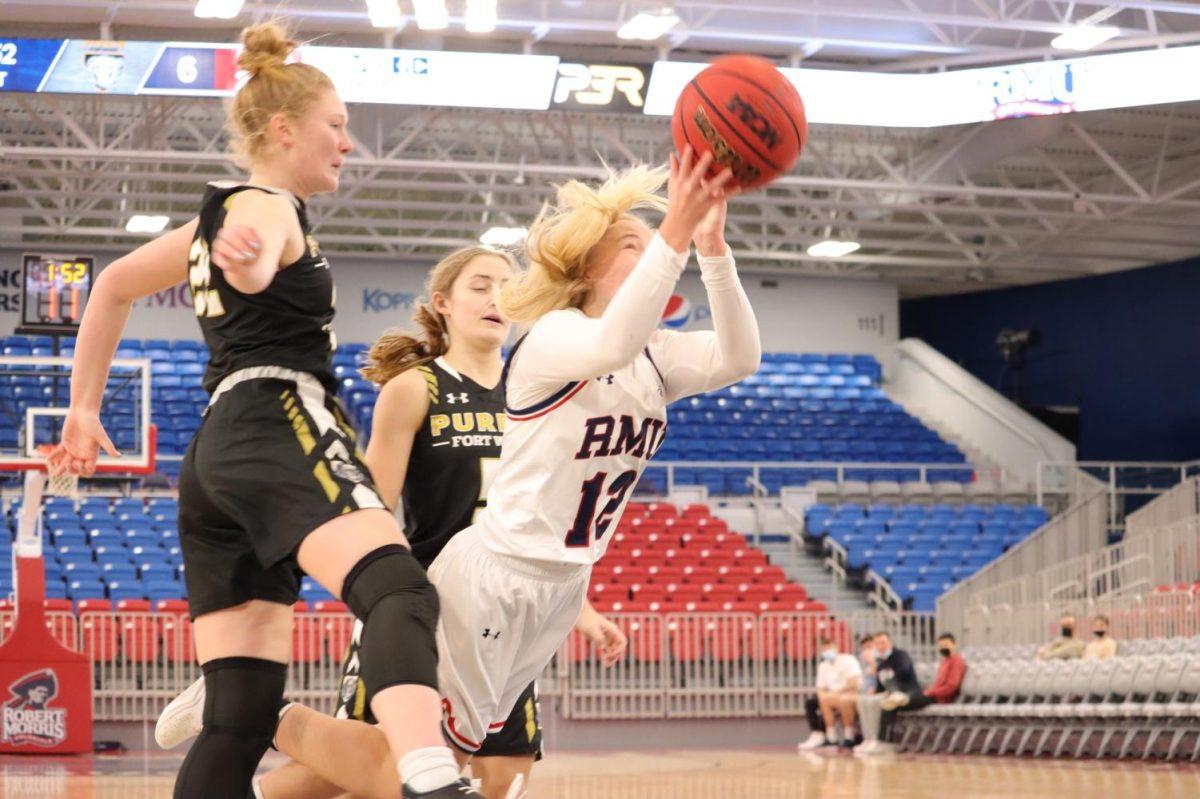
x=833 y=248
x=649 y=25
x=481 y=16
x=1084 y=37
x=431 y=14
x=503 y=236
x=385 y=13
x=142 y=223
x=218 y=9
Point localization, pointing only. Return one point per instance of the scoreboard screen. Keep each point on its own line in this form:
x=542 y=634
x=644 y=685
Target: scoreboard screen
x=54 y=292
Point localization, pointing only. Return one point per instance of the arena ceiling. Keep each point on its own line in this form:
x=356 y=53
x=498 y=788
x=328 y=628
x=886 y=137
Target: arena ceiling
x=936 y=210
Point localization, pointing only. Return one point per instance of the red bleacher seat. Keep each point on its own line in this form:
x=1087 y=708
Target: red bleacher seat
x=139 y=638
x=766 y=573
x=645 y=638
x=133 y=606
x=177 y=607
x=650 y=592
x=306 y=635
x=176 y=629
x=337 y=629
x=788 y=592
x=52 y=605
x=99 y=627
x=700 y=574
x=665 y=573
x=686 y=637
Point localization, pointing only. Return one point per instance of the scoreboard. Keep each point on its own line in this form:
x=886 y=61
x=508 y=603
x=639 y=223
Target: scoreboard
x=54 y=292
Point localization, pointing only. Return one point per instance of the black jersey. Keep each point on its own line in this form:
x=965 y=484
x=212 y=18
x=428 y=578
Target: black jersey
x=289 y=324
x=453 y=455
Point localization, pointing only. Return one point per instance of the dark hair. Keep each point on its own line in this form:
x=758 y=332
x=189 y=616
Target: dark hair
x=866 y=639
x=884 y=632
x=947 y=637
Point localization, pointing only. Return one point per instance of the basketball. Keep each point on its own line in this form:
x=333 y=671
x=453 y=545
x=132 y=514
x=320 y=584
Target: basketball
x=743 y=110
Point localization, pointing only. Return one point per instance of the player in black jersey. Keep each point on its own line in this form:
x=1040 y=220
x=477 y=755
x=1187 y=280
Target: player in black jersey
x=435 y=439
x=273 y=481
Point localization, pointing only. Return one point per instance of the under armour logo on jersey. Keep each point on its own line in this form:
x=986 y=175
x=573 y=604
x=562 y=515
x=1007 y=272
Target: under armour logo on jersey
x=606 y=379
x=487 y=633
x=456 y=398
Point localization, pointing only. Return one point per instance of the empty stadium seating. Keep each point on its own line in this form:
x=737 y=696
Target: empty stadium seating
x=810 y=408
x=663 y=559
x=1144 y=702
x=921 y=550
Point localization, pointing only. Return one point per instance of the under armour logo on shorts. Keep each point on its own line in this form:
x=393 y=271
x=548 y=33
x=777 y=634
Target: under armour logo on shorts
x=487 y=633
x=456 y=398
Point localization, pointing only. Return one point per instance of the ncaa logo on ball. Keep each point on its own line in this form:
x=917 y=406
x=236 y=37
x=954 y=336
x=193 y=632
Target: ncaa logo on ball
x=678 y=312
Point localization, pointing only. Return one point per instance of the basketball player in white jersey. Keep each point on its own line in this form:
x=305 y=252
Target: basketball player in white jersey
x=586 y=394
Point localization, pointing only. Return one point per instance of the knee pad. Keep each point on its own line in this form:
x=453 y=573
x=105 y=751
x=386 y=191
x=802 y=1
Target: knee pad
x=241 y=710
x=398 y=606
x=243 y=694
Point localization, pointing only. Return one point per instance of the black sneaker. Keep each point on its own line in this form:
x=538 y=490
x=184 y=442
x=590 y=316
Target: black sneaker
x=455 y=790
x=848 y=743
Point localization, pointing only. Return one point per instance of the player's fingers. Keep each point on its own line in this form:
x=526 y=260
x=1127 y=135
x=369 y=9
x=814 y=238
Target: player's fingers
x=700 y=171
x=673 y=162
x=107 y=445
x=242 y=244
x=716 y=186
x=685 y=162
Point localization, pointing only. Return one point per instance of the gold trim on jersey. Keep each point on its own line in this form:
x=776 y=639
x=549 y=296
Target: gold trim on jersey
x=431 y=380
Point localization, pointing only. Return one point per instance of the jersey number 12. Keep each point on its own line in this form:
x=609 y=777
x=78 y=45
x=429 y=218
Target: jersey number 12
x=580 y=533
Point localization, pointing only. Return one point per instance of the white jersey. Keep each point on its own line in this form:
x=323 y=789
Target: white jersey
x=586 y=400
x=570 y=463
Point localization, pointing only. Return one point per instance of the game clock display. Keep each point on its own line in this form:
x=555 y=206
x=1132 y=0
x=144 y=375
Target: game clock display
x=54 y=291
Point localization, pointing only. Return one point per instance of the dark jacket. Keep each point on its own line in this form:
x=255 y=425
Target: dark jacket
x=903 y=676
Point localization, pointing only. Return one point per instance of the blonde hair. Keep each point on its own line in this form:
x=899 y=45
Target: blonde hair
x=562 y=238
x=397 y=351
x=274 y=87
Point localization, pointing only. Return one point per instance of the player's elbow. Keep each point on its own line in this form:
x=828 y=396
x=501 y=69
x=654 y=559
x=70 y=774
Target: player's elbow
x=109 y=289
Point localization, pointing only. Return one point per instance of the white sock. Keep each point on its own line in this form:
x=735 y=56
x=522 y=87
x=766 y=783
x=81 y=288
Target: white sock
x=828 y=737
x=428 y=769
x=256 y=786
x=849 y=733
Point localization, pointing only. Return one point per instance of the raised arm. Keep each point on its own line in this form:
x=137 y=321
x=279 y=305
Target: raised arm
x=692 y=363
x=155 y=266
x=566 y=345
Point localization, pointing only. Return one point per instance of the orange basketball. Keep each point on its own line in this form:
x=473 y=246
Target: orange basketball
x=743 y=110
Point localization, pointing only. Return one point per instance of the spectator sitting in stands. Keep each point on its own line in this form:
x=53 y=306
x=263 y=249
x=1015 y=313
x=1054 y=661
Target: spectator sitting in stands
x=895 y=674
x=1103 y=646
x=1066 y=647
x=944 y=690
x=839 y=678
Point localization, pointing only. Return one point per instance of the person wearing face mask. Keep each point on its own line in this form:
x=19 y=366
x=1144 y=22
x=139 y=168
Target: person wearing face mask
x=944 y=690
x=1102 y=646
x=1065 y=647
x=839 y=678
x=895 y=674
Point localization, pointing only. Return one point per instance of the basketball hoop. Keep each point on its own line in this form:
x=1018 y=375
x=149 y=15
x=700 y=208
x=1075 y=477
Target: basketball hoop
x=61 y=485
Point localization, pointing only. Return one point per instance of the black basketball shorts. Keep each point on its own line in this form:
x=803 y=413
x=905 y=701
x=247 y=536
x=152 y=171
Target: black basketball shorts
x=274 y=459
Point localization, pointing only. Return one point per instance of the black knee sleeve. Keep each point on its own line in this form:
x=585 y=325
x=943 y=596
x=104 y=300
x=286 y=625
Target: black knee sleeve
x=389 y=592
x=241 y=710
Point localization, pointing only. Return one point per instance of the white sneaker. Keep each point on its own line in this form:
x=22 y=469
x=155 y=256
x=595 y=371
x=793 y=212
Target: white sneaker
x=866 y=748
x=894 y=700
x=815 y=741
x=182 y=718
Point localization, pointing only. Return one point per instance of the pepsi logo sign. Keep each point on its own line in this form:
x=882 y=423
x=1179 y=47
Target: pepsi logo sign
x=678 y=312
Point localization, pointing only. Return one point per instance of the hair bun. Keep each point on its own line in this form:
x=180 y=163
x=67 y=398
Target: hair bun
x=266 y=46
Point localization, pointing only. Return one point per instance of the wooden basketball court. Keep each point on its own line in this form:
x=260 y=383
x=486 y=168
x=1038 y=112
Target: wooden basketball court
x=756 y=774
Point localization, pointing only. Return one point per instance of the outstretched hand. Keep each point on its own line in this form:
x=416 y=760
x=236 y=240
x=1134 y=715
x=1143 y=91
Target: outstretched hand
x=691 y=196
x=82 y=439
